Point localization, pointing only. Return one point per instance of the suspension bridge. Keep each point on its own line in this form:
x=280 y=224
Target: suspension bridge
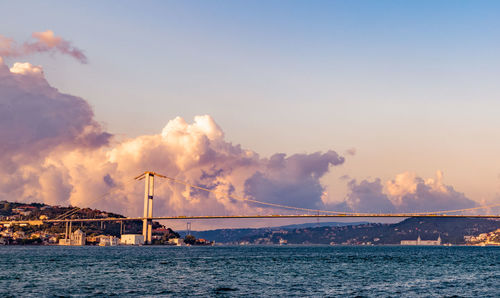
x=148 y=217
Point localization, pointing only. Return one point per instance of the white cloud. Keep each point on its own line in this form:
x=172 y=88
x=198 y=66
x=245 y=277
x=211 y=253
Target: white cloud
x=407 y=192
x=55 y=152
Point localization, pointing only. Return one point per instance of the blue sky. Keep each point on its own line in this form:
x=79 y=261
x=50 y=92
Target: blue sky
x=412 y=85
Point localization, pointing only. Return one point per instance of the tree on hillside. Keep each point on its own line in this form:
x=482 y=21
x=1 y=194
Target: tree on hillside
x=190 y=239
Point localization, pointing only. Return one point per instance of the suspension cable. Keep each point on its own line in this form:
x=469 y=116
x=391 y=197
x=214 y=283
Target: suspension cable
x=308 y=209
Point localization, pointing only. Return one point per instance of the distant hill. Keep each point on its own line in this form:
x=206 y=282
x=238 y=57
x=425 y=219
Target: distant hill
x=323 y=224
x=235 y=235
x=451 y=230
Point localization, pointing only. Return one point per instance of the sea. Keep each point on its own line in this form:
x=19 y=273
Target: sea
x=251 y=271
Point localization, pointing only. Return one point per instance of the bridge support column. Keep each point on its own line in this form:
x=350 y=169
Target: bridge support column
x=147 y=224
x=66 y=231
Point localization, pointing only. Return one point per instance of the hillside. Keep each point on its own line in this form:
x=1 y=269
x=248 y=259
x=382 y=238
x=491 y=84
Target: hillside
x=235 y=235
x=33 y=211
x=451 y=230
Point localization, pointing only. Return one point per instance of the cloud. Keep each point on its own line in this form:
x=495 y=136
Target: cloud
x=45 y=41
x=405 y=193
x=367 y=196
x=197 y=152
x=345 y=177
x=412 y=193
x=351 y=151
x=7 y=47
x=36 y=118
x=292 y=180
x=37 y=122
x=54 y=151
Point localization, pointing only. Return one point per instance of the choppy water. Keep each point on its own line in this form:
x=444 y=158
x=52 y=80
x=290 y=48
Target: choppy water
x=250 y=271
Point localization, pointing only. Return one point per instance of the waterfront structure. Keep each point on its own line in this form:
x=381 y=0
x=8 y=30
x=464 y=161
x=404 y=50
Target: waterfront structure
x=77 y=238
x=108 y=241
x=132 y=239
x=419 y=241
x=64 y=241
x=176 y=241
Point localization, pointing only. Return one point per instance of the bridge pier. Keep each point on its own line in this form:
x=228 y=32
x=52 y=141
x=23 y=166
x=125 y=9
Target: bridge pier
x=66 y=233
x=147 y=224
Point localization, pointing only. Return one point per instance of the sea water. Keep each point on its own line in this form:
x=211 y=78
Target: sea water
x=252 y=271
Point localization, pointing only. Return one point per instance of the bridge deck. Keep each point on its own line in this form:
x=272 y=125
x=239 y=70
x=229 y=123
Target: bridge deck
x=398 y=215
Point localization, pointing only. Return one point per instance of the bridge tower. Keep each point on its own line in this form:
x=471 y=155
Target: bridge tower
x=147 y=222
x=147 y=225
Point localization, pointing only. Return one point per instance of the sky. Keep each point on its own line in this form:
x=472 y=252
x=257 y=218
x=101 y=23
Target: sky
x=404 y=92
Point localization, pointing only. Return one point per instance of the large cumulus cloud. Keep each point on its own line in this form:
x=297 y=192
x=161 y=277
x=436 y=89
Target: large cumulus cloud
x=292 y=180
x=36 y=118
x=412 y=193
x=198 y=152
x=37 y=122
x=407 y=192
x=54 y=151
x=367 y=196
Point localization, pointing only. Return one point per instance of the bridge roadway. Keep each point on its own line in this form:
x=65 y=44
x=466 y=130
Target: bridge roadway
x=340 y=215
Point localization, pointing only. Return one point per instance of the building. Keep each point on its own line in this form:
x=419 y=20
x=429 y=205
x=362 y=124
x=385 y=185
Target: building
x=18 y=235
x=64 y=241
x=132 y=239
x=176 y=241
x=77 y=238
x=422 y=242
x=6 y=233
x=108 y=241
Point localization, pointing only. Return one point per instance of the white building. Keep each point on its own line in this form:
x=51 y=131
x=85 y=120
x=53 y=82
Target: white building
x=64 y=241
x=132 y=239
x=109 y=241
x=77 y=238
x=421 y=242
x=176 y=241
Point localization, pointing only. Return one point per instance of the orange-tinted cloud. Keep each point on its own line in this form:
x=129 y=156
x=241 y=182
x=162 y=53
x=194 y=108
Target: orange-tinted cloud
x=45 y=41
x=55 y=152
x=407 y=192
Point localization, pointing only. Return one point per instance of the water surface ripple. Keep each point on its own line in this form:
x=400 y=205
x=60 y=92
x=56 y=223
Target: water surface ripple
x=316 y=271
